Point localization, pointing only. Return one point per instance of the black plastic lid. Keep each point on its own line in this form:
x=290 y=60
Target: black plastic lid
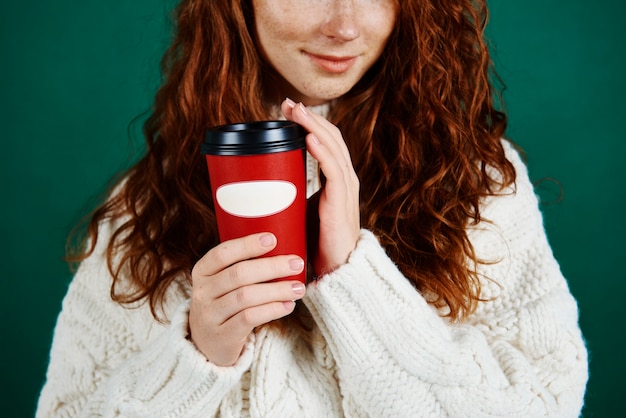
x=254 y=138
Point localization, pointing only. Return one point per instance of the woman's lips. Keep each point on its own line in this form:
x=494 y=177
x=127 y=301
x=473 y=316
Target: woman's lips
x=332 y=64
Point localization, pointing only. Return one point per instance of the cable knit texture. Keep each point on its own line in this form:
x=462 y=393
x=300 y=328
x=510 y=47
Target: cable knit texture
x=378 y=349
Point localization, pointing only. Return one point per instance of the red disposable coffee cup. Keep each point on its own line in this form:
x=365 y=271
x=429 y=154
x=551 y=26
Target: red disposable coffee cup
x=257 y=172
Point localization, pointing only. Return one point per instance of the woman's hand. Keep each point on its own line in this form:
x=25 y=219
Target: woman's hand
x=231 y=294
x=339 y=199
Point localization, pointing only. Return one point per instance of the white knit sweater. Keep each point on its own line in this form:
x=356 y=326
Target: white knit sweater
x=378 y=348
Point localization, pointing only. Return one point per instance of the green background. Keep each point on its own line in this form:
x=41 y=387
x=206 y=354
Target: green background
x=73 y=75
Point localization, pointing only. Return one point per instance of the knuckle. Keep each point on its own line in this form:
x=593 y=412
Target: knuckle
x=200 y=270
x=236 y=274
x=242 y=296
x=247 y=318
x=220 y=254
x=196 y=298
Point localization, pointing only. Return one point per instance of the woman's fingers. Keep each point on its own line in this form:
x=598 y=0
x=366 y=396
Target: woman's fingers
x=220 y=327
x=326 y=133
x=234 y=291
x=254 y=296
x=253 y=271
x=338 y=209
x=227 y=340
x=325 y=143
x=231 y=252
x=247 y=284
x=245 y=321
x=275 y=301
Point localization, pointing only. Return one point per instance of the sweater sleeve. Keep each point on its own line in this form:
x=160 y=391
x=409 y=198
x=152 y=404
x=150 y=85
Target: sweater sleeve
x=520 y=354
x=111 y=361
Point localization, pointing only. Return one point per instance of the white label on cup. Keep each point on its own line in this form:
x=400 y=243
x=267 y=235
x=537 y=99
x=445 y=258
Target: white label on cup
x=254 y=199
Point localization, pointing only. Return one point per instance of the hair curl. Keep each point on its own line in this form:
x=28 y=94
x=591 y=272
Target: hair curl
x=422 y=127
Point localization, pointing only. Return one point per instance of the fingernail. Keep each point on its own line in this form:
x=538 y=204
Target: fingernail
x=315 y=139
x=289 y=305
x=290 y=102
x=298 y=288
x=267 y=240
x=296 y=264
x=303 y=108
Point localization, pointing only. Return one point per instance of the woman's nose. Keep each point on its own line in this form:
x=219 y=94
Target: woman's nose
x=341 y=22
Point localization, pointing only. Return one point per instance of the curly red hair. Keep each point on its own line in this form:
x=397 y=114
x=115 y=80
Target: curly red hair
x=422 y=126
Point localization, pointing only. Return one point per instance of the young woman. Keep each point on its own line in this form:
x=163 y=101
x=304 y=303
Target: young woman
x=434 y=293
